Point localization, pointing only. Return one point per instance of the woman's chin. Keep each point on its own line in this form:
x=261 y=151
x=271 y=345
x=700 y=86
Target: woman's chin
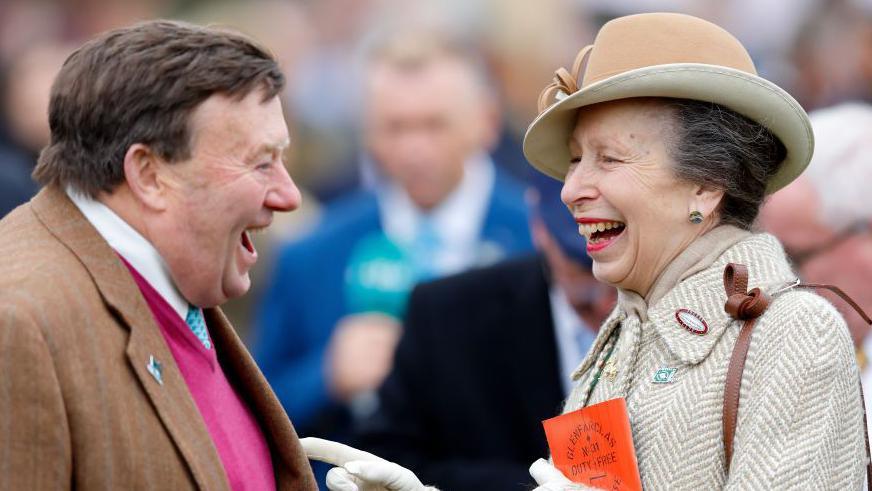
x=605 y=272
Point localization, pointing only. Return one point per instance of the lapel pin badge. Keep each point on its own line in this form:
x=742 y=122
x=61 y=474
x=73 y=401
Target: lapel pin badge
x=664 y=375
x=691 y=321
x=155 y=369
x=610 y=371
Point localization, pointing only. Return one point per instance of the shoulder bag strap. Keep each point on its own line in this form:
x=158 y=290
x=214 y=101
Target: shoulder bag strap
x=748 y=306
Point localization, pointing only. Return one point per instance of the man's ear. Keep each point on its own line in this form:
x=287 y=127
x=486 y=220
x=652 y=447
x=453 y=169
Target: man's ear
x=143 y=171
x=706 y=200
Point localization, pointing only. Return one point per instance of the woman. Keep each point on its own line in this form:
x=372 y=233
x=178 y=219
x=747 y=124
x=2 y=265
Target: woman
x=668 y=148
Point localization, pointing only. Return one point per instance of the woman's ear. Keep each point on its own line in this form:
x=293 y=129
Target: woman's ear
x=706 y=200
x=143 y=173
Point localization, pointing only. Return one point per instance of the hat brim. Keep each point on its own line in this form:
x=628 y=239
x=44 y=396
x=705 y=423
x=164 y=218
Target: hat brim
x=546 y=144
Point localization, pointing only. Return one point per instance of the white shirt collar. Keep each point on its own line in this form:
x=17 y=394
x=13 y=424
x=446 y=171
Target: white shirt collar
x=133 y=247
x=573 y=336
x=457 y=220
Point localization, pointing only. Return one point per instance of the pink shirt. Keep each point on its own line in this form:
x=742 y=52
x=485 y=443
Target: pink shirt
x=234 y=430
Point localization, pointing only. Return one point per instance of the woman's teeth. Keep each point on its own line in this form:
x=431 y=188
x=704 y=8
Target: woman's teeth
x=589 y=229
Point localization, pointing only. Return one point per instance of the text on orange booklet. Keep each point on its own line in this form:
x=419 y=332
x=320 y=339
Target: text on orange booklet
x=594 y=446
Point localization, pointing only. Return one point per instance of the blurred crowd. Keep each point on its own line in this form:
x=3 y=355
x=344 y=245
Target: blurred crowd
x=407 y=148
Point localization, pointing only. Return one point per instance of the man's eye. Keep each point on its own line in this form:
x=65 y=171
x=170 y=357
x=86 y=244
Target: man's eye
x=575 y=160
x=606 y=158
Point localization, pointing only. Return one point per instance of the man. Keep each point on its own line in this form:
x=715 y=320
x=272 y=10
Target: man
x=824 y=218
x=328 y=326
x=487 y=355
x=119 y=370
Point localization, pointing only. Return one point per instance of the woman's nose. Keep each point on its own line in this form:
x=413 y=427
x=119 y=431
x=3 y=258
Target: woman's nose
x=579 y=185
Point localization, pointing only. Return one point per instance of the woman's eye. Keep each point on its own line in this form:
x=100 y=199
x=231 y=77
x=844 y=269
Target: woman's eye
x=575 y=160
x=608 y=159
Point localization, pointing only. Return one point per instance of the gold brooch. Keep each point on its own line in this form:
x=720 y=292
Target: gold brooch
x=610 y=371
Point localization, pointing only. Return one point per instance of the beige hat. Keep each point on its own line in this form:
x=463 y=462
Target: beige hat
x=666 y=55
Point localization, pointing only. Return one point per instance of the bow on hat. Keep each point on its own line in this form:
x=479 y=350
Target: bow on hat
x=564 y=82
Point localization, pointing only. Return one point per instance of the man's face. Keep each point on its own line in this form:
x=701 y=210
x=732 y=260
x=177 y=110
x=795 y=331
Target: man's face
x=229 y=187
x=422 y=123
x=819 y=254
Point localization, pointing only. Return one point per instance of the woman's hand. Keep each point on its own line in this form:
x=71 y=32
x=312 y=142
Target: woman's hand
x=549 y=478
x=357 y=470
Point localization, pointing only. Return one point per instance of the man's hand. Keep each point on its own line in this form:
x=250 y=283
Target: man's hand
x=361 y=353
x=549 y=478
x=358 y=470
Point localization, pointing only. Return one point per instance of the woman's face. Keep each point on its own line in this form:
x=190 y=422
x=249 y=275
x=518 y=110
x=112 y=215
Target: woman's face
x=621 y=189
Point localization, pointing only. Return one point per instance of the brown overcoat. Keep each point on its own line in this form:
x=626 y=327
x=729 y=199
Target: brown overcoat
x=78 y=406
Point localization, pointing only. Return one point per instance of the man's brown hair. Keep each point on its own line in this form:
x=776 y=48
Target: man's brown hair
x=139 y=85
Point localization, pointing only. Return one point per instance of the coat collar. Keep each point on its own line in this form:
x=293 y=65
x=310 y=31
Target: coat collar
x=701 y=290
x=695 y=282
x=172 y=400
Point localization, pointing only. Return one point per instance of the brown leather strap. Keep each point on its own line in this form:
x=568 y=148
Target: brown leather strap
x=748 y=306
x=731 y=389
x=844 y=296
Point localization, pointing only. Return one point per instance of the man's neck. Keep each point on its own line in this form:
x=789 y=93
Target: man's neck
x=123 y=204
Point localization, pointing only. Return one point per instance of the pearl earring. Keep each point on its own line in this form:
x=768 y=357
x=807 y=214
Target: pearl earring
x=695 y=217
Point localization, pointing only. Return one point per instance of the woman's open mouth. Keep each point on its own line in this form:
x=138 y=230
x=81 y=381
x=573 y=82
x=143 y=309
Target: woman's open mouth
x=599 y=234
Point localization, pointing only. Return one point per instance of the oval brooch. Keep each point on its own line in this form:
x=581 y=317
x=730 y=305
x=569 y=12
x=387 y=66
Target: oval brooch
x=691 y=321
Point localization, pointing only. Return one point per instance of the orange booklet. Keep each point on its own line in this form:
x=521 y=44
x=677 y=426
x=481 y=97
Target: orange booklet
x=594 y=446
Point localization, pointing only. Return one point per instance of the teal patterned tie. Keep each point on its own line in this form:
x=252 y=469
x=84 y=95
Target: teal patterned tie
x=197 y=324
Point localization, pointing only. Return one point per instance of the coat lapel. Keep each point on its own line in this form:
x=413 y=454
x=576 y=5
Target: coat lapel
x=703 y=293
x=171 y=399
x=289 y=461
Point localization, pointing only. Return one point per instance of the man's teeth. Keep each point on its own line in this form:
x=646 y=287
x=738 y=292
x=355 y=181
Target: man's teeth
x=588 y=229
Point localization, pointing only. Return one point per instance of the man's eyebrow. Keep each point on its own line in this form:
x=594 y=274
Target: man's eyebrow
x=271 y=148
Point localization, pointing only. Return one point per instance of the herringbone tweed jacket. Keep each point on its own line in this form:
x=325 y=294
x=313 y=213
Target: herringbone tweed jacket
x=79 y=408
x=800 y=419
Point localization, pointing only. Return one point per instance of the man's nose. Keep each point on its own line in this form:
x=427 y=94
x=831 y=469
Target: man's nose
x=284 y=195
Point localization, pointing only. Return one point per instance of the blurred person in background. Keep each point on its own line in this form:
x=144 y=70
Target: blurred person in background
x=329 y=321
x=25 y=95
x=479 y=339
x=832 y=55
x=523 y=41
x=824 y=218
x=325 y=92
x=119 y=370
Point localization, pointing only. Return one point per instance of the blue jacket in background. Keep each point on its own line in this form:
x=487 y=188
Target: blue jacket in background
x=306 y=299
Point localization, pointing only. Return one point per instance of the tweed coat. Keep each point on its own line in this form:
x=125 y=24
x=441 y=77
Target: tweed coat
x=78 y=406
x=800 y=420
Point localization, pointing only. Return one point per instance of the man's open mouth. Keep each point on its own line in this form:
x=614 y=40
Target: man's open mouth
x=246 y=242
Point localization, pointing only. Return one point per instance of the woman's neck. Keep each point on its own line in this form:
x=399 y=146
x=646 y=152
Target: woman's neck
x=697 y=256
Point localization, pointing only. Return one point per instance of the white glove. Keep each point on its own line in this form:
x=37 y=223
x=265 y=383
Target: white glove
x=549 y=478
x=358 y=470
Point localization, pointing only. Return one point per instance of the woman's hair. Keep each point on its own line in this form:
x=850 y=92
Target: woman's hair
x=720 y=148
